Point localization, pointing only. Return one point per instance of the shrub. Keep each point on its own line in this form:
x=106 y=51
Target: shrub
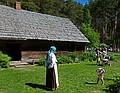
x=64 y=59
x=41 y=61
x=72 y=58
x=4 y=60
x=114 y=56
x=87 y=56
x=115 y=87
x=91 y=34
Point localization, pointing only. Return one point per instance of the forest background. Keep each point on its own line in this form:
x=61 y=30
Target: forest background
x=99 y=20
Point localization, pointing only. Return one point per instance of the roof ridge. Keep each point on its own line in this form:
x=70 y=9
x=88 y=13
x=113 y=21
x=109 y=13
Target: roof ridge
x=22 y=24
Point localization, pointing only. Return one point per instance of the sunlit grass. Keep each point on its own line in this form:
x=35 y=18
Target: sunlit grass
x=74 y=78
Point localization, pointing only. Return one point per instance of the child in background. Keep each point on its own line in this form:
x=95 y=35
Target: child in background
x=98 y=56
x=100 y=73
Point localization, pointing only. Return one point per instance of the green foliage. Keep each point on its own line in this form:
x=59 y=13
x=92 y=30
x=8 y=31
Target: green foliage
x=41 y=61
x=92 y=36
x=10 y=3
x=86 y=16
x=52 y=7
x=73 y=11
x=115 y=87
x=105 y=18
x=87 y=56
x=114 y=56
x=87 y=29
x=64 y=59
x=4 y=60
x=72 y=58
x=30 y=6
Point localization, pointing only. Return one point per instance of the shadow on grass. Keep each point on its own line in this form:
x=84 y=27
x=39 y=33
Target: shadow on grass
x=91 y=83
x=106 y=90
x=108 y=79
x=33 y=85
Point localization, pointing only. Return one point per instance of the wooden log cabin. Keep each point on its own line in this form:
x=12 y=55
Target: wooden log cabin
x=25 y=34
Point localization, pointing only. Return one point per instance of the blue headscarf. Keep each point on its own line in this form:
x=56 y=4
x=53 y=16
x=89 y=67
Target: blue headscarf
x=52 y=50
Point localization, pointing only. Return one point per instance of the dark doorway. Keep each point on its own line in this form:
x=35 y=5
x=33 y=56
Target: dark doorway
x=13 y=50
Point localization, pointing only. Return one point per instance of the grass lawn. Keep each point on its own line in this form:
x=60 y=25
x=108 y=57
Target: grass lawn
x=74 y=78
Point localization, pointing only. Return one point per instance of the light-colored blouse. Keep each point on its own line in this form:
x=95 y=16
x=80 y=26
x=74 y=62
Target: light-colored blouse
x=51 y=60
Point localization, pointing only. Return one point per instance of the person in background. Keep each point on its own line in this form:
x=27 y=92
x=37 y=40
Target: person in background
x=100 y=73
x=52 y=82
x=98 y=56
x=104 y=52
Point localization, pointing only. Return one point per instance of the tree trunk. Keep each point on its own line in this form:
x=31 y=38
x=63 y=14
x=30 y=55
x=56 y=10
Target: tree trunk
x=104 y=32
x=114 y=33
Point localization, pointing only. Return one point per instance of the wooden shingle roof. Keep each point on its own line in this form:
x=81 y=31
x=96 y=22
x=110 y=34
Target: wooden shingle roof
x=23 y=25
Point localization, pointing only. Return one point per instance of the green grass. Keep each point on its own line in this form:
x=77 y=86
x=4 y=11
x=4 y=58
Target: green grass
x=74 y=78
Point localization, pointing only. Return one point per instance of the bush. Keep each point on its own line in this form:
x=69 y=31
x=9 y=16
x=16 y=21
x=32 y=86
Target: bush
x=64 y=59
x=41 y=61
x=4 y=60
x=115 y=87
x=87 y=56
x=72 y=58
x=114 y=57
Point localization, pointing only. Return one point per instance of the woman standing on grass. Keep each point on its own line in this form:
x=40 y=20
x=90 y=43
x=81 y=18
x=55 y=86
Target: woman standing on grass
x=51 y=70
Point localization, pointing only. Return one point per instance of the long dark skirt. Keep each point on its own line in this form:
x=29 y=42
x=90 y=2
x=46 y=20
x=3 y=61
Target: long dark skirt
x=50 y=79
